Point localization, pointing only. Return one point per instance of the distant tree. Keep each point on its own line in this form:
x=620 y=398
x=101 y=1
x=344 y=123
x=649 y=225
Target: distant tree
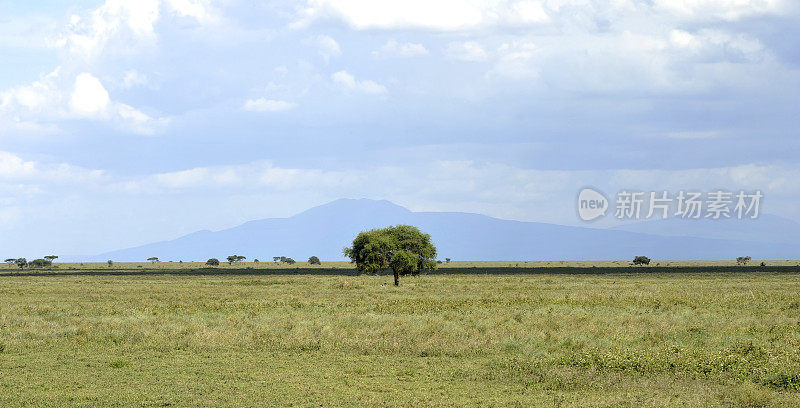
x=763 y=264
x=289 y=261
x=40 y=263
x=641 y=260
x=743 y=260
x=51 y=258
x=314 y=261
x=255 y=260
x=447 y=260
x=212 y=262
x=21 y=262
x=276 y=258
x=236 y=258
x=11 y=261
x=153 y=259
x=110 y=263
x=404 y=249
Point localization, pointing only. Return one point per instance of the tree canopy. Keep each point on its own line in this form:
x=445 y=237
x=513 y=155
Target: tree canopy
x=40 y=263
x=403 y=248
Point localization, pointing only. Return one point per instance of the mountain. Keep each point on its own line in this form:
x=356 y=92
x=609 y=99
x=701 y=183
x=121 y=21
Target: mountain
x=765 y=228
x=324 y=230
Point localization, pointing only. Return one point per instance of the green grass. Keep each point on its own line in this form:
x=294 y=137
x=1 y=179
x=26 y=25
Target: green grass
x=711 y=340
x=223 y=266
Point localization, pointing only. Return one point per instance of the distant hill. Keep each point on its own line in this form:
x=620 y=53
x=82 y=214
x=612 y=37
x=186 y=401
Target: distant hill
x=324 y=230
x=765 y=228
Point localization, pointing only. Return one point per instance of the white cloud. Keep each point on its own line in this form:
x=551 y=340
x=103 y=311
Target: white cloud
x=516 y=60
x=393 y=48
x=87 y=36
x=131 y=79
x=440 y=15
x=349 y=82
x=136 y=121
x=34 y=97
x=710 y=45
x=267 y=105
x=200 y=10
x=14 y=168
x=328 y=47
x=684 y=40
x=256 y=175
x=467 y=51
x=89 y=97
x=126 y=24
x=730 y=10
x=55 y=97
x=463 y=15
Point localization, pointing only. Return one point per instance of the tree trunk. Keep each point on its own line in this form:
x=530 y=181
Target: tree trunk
x=396 y=278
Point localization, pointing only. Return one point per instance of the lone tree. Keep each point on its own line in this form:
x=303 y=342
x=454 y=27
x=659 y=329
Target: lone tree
x=153 y=259
x=236 y=258
x=110 y=263
x=212 y=262
x=641 y=260
x=743 y=260
x=404 y=249
x=314 y=261
x=51 y=258
x=11 y=261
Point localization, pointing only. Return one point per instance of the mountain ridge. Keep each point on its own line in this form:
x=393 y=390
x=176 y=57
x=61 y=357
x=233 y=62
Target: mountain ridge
x=324 y=230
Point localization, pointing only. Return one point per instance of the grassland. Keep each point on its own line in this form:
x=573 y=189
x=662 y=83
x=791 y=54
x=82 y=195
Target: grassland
x=626 y=340
x=149 y=266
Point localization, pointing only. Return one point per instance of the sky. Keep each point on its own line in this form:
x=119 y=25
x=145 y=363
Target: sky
x=128 y=122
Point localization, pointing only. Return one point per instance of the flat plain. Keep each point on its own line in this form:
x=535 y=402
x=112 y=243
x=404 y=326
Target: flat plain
x=223 y=266
x=613 y=340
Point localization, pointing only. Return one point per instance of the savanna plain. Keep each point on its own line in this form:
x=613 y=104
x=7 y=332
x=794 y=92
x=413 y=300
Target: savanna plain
x=560 y=340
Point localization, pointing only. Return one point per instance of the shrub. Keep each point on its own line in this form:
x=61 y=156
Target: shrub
x=212 y=262
x=110 y=263
x=641 y=260
x=40 y=263
x=314 y=261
